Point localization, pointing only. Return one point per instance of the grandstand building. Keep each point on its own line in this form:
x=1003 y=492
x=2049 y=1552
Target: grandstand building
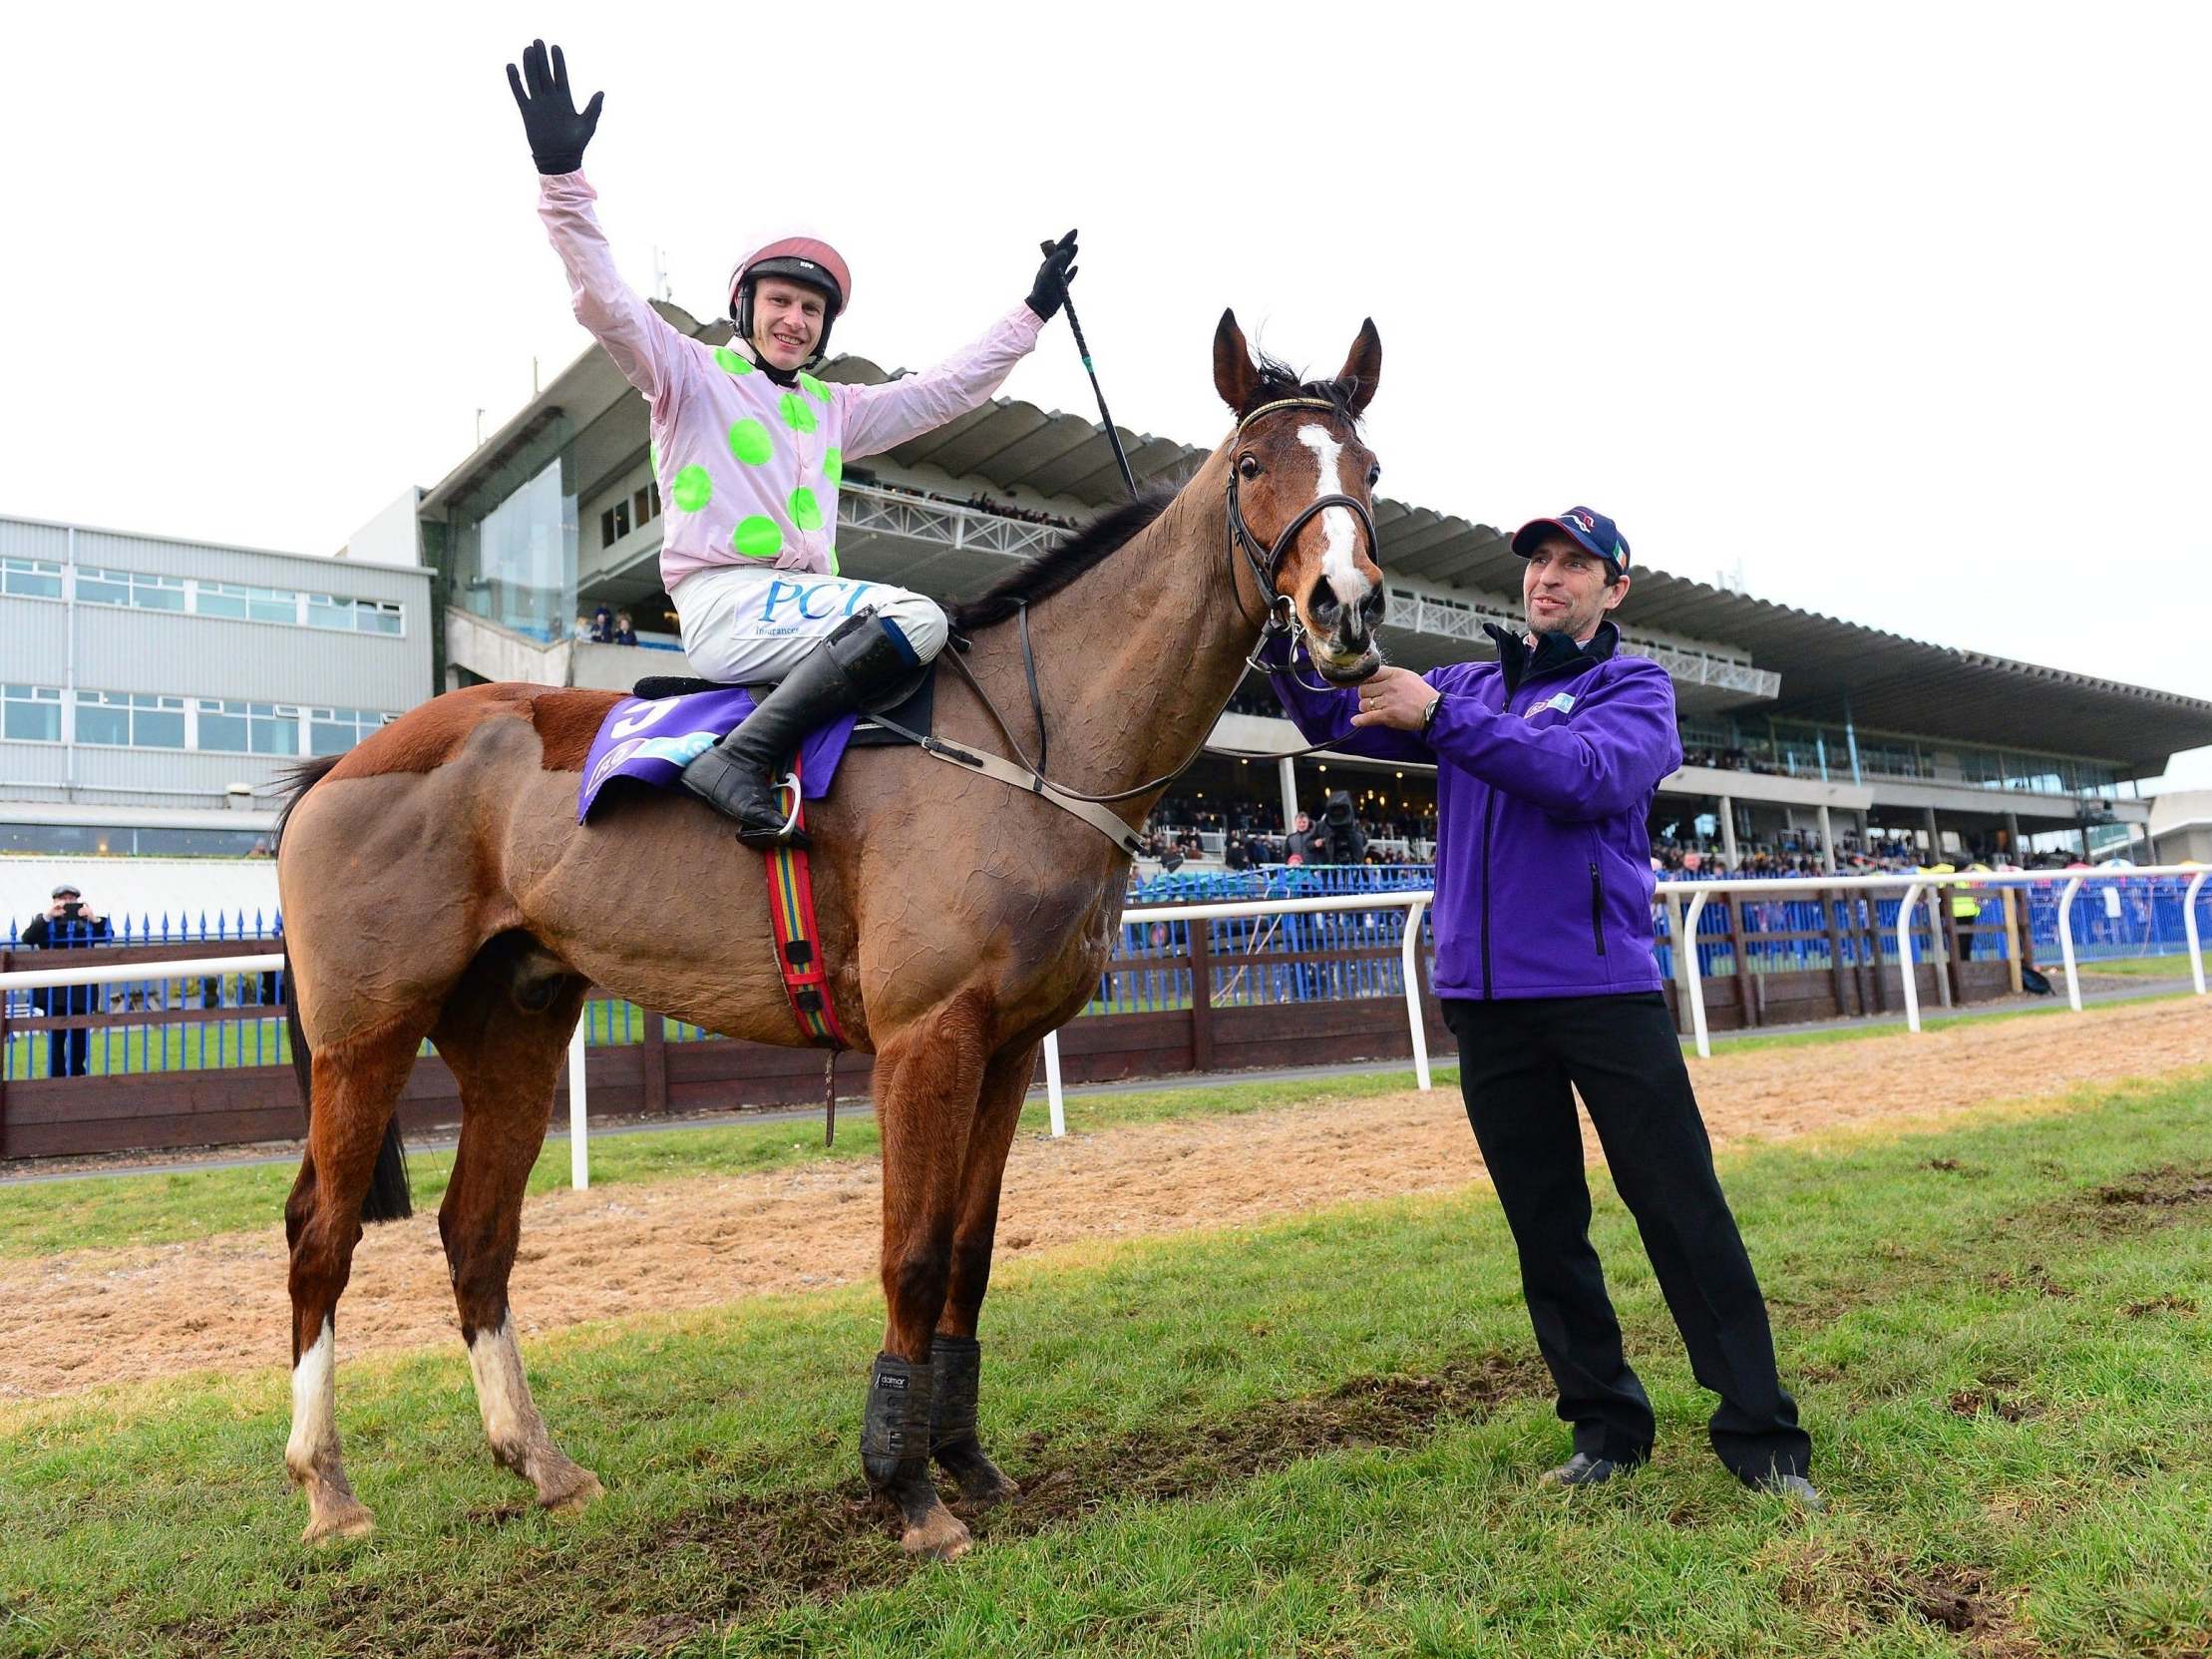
x=1802 y=732
x=152 y=690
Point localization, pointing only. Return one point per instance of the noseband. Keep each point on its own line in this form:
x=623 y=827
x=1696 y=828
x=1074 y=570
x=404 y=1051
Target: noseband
x=1266 y=562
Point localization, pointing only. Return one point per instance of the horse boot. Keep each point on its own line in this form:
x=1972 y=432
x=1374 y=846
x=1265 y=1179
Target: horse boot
x=860 y=664
x=959 y=1366
x=894 y=1455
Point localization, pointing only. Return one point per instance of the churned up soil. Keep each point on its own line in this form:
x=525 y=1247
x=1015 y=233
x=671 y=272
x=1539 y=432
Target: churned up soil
x=79 y=1320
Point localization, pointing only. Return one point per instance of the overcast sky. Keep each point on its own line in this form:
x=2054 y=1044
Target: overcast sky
x=1900 y=308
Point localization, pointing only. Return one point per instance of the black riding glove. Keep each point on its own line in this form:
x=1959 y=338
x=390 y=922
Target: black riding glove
x=558 y=134
x=1053 y=276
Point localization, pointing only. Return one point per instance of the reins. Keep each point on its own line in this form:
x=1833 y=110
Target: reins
x=1265 y=562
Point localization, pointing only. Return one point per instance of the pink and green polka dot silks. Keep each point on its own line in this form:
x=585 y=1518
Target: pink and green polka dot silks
x=750 y=469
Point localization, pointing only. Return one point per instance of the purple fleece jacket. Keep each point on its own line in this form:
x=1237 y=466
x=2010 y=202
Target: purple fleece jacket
x=1542 y=800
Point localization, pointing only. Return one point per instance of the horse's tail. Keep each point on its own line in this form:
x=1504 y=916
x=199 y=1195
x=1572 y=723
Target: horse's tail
x=388 y=1197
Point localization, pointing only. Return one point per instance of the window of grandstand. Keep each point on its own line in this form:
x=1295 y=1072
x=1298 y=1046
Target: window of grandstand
x=355 y=616
x=335 y=730
x=145 y=591
x=32 y=714
x=31 y=579
x=130 y=719
x=139 y=588
x=248 y=727
x=254 y=605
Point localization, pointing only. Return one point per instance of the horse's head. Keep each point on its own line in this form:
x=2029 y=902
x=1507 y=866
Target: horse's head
x=1297 y=450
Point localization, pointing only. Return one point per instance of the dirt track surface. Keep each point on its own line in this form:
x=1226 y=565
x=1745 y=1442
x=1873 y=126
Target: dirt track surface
x=93 y=1317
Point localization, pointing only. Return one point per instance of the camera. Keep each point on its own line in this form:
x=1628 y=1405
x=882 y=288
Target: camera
x=74 y=910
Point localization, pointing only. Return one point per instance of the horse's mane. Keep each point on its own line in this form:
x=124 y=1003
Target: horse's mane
x=1277 y=380
x=1058 y=565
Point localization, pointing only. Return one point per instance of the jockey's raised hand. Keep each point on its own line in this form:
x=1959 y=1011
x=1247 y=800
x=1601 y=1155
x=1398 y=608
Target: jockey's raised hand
x=557 y=133
x=1053 y=276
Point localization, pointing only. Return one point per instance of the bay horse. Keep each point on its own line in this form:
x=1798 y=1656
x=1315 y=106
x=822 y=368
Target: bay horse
x=436 y=884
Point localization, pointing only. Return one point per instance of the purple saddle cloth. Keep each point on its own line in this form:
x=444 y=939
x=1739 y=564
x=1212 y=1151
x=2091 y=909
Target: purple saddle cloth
x=653 y=740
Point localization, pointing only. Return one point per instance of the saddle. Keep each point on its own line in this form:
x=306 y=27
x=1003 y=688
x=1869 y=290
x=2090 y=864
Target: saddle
x=916 y=708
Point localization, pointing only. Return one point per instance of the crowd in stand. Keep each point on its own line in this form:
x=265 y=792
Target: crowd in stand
x=977 y=503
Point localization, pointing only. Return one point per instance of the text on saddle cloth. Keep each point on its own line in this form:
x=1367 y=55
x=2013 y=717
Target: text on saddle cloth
x=653 y=740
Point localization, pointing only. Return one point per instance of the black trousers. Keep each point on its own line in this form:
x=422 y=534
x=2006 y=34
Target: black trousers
x=1517 y=1060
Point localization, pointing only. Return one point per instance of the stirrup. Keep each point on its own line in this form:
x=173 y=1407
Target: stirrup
x=790 y=782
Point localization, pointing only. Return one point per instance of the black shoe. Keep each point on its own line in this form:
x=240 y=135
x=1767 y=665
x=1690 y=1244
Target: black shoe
x=856 y=666
x=1794 y=1488
x=1582 y=1469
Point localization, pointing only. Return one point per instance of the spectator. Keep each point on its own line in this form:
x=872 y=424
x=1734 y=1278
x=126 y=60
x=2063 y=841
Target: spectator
x=626 y=633
x=602 y=626
x=66 y=923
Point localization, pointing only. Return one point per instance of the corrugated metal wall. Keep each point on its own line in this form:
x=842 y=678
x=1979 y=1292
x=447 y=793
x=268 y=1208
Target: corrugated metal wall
x=121 y=649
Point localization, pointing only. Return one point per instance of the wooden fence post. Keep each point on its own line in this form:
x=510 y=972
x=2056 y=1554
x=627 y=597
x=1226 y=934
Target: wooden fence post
x=1835 y=952
x=655 y=1057
x=1732 y=910
x=1202 y=996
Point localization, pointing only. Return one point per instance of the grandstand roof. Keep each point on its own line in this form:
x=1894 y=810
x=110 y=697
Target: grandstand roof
x=1887 y=681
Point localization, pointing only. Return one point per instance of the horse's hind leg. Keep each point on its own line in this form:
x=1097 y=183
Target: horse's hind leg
x=926 y=1079
x=355 y=1086
x=955 y=1357
x=502 y=1033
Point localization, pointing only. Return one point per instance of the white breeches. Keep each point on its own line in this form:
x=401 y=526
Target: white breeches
x=749 y=626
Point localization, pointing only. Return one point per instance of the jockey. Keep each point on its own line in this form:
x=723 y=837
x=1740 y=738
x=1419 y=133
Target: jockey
x=749 y=448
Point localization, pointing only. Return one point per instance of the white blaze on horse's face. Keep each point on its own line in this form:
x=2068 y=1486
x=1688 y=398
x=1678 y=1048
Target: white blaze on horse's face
x=1339 y=554
x=1346 y=649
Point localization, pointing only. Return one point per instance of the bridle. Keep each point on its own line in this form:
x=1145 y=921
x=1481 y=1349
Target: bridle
x=1281 y=618
x=1266 y=562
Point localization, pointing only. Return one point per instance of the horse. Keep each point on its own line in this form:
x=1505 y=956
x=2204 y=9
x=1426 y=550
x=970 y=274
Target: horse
x=436 y=884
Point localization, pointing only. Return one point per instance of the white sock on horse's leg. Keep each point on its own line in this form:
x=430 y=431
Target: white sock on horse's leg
x=311 y=1455
x=514 y=1427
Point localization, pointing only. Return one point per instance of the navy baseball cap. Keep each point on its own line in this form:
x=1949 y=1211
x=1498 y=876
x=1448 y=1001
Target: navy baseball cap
x=1598 y=536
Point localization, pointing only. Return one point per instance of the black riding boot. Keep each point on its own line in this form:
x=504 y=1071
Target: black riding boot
x=858 y=667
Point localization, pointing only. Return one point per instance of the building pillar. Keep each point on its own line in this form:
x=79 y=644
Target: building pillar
x=1934 y=836
x=1728 y=831
x=1827 y=841
x=1287 y=775
x=2011 y=839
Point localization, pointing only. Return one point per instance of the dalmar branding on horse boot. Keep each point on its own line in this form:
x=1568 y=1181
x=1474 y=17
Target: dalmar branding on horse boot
x=894 y=1435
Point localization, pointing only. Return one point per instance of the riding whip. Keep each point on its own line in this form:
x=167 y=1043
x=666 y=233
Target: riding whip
x=1127 y=476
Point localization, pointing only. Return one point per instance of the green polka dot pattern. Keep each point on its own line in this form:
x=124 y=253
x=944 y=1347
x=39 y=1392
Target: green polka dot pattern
x=806 y=512
x=815 y=389
x=750 y=442
x=693 y=489
x=833 y=466
x=798 y=414
x=732 y=361
x=757 y=537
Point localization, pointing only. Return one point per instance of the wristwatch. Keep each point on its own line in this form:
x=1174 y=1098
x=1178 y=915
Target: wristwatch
x=1428 y=714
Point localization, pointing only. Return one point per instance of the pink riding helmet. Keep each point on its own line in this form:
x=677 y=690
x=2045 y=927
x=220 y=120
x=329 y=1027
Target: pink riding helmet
x=796 y=259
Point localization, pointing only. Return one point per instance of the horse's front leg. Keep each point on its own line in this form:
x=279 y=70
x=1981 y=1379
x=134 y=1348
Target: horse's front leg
x=956 y=1358
x=927 y=1076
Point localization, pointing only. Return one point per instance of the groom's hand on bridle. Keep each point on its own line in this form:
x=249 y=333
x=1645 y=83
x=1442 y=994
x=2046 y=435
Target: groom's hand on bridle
x=1394 y=697
x=557 y=131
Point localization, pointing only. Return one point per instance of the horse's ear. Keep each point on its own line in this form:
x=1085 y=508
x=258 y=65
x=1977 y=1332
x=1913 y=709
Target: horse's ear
x=1235 y=377
x=1362 y=370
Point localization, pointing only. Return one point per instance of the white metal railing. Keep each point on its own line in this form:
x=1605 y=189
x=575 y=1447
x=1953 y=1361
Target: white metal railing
x=1414 y=904
x=885 y=512
x=1463 y=620
x=1914 y=884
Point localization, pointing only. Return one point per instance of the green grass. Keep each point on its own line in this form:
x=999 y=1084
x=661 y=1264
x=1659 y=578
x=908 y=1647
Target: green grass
x=112 y=1211
x=1742 y=1041
x=2129 y=968
x=1314 y=1437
